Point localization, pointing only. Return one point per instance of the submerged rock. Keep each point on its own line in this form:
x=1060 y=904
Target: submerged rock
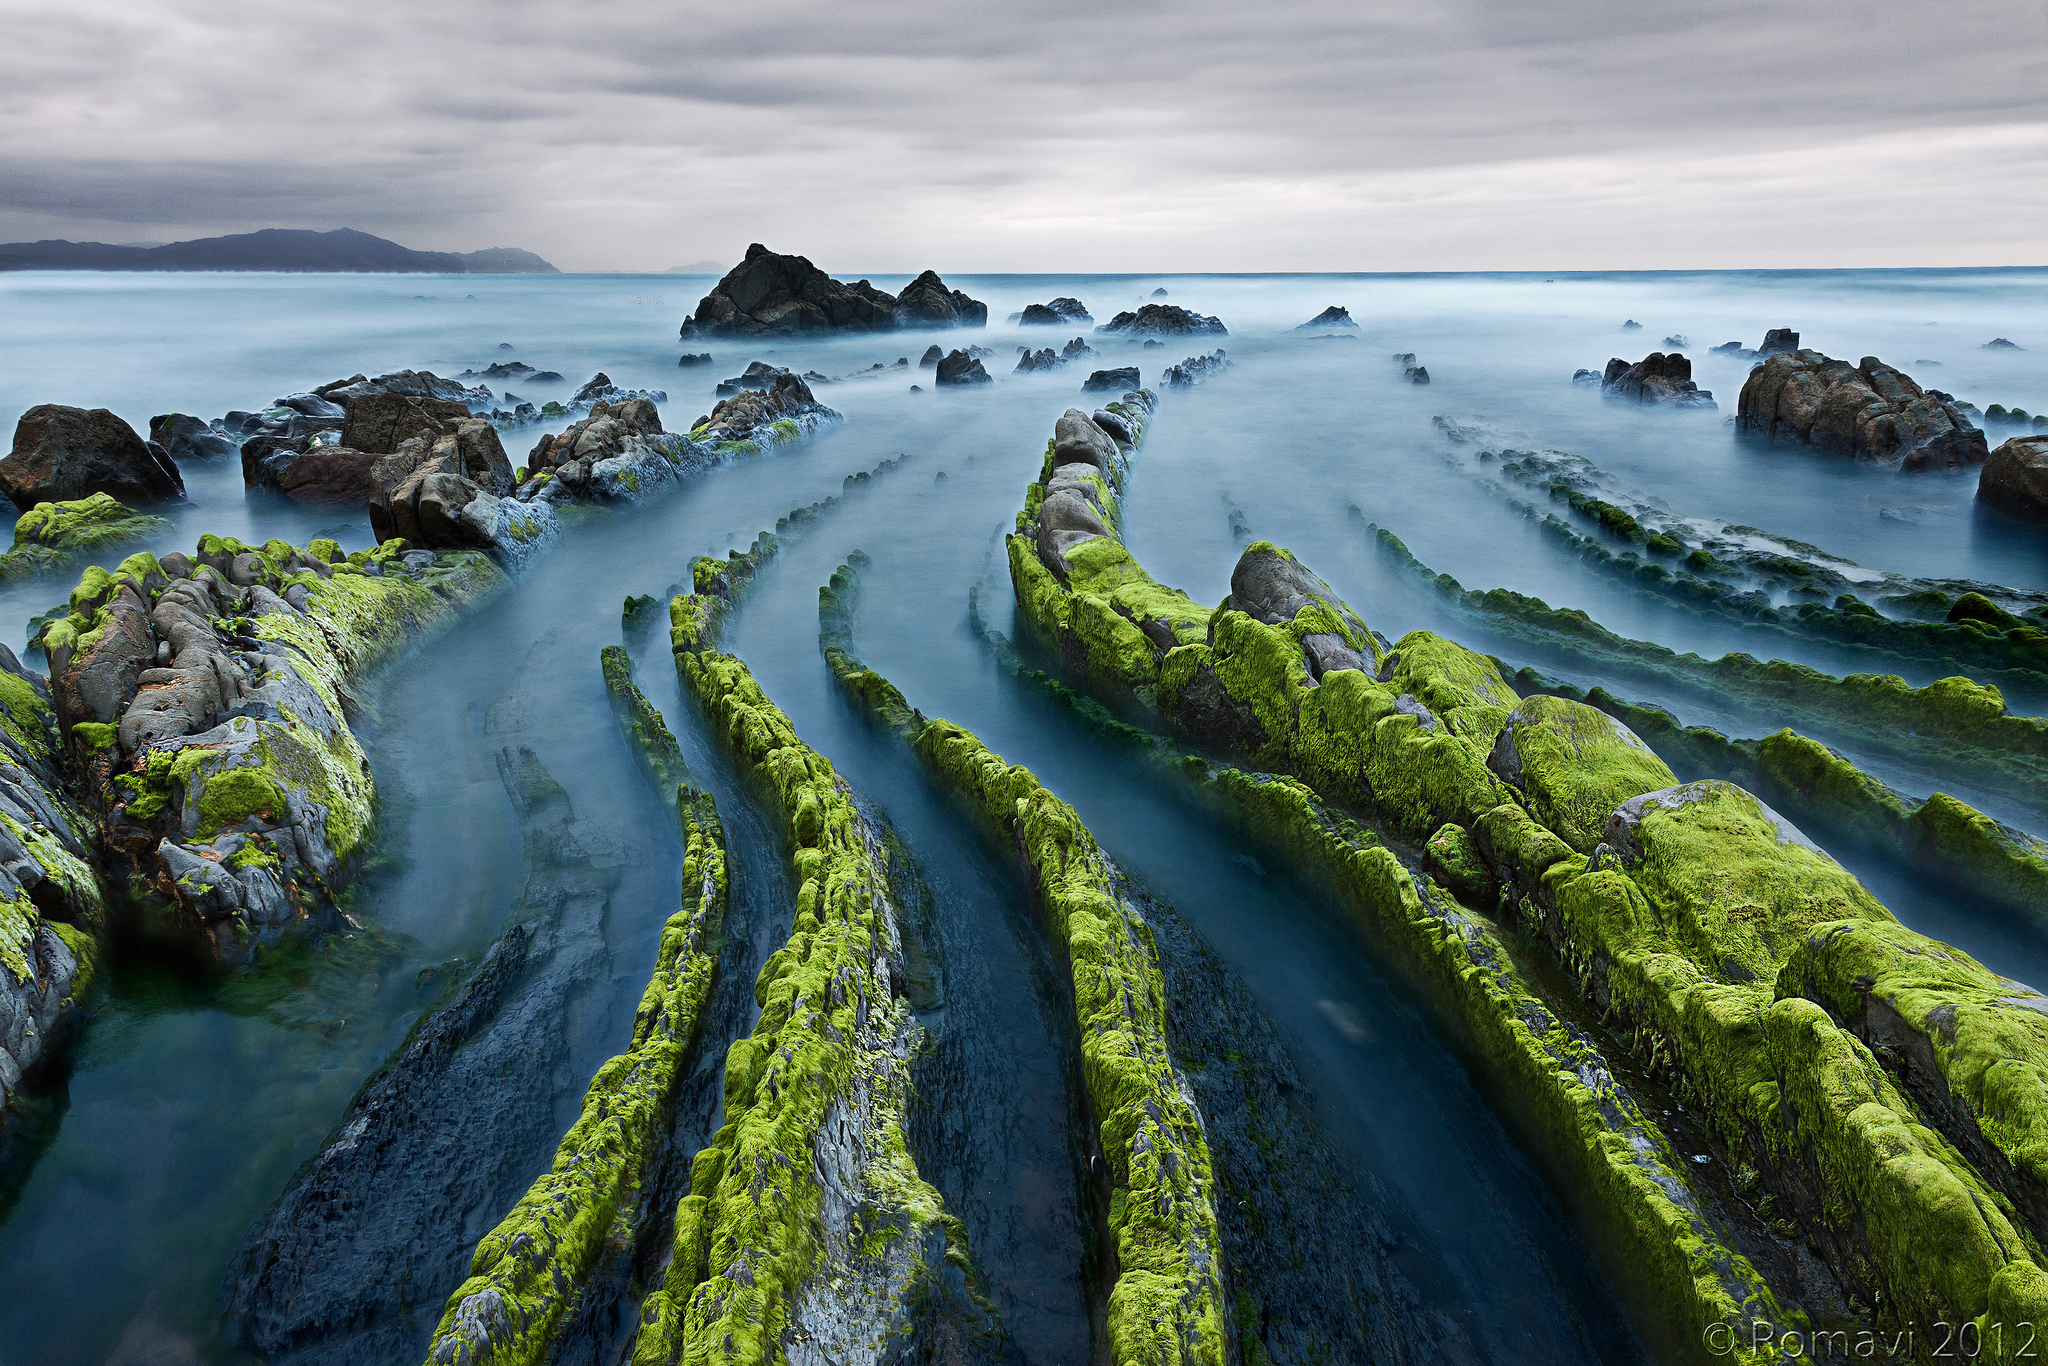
x=184 y=437
x=687 y=360
x=933 y=354
x=2015 y=478
x=1656 y=378
x=1868 y=410
x=1058 y=313
x=1193 y=370
x=759 y=374
x=1333 y=316
x=1162 y=320
x=771 y=295
x=960 y=368
x=926 y=302
x=62 y=454
x=2002 y=344
x=1777 y=341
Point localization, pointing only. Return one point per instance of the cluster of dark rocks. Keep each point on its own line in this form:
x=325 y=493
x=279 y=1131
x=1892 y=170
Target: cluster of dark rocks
x=1193 y=370
x=772 y=295
x=1869 y=410
x=1412 y=370
x=1059 y=313
x=1045 y=358
x=1163 y=320
x=1659 y=377
x=1776 y=341
x=962 y=367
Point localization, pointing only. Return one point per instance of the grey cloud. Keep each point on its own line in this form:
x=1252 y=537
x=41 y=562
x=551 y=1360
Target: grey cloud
x=894 y=135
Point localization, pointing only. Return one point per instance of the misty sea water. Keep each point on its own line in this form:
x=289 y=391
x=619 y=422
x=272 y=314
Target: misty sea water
x=186 y=1105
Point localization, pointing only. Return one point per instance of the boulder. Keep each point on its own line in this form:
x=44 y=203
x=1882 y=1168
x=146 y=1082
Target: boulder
x=414 y=383
x=1868 y=410
x=926 y=302
x=2015 y=478
x=1115 y=426
x=1574 y=766
x=1777 y=341
x=1111 y=381
x=1077 y=439
x=184 y=437
x=324 y=476
x=382 y=422
x=780 y=296
x=61 y=454
x=1164 y=320
x=1271 y=586
x=933 y=354
x=1333 y=316
x=960 y=368
x=311 y=405
x=1656 y=378
x=418 y=492
x=1058 y=313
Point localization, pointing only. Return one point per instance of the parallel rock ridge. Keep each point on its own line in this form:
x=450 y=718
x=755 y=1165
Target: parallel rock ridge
x=1867 y=409
x=807 y=1220
x=204 y=697
x=771 y=295
x=1169 y=1300
x=1680 y=908
x=529 y=1271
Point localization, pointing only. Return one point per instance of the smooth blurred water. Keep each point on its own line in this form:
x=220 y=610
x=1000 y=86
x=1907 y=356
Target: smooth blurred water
x=186 y=1106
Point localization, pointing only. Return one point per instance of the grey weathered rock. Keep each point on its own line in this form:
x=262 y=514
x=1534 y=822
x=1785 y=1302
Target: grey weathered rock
x=318 y=476
x=382 y=422
x=1194 y=370
x=771 y=295
x=1078 y=440
x=926 y=302
x=1778 y=341
x=184 y=437
x=1868 y=410
x=1656 y=378
x=1162 y=320
x=1058 y=313
x=417 y=493
x=1110 y=381
x=933 y=354
x=960 y=368
x=2015 y=478
x=1271 y=586
x=61 y=454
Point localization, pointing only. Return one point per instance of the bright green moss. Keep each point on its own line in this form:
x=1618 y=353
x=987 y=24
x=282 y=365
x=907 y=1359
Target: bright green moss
x=1574 y=765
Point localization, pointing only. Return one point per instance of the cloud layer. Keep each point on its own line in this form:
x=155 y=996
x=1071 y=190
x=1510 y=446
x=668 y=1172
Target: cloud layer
x=890 y=136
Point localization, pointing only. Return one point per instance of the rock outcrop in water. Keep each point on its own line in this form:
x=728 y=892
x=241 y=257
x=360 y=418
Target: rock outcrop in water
x=202 y=696
x=63 y=454
x=50 y=535
x=1868 y=410
x=1656 y=378
x=960 y=368
x=1058 y=313
x=1162 y=320
x=926 y=302
x=1333 y=316
x=768 y=295
x=184 y=437
x=2014 y=479
x=1111 y=381
x=1194 y=370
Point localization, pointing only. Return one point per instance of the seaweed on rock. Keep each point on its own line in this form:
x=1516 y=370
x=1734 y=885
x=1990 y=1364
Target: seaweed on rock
x=529 y=1272
x=50 y=535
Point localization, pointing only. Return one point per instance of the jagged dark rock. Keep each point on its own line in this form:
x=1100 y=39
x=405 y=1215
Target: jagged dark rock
x=1162 y=320
x=960 y=368
x=1868 y=410
x=382 y=422
x=318 y=476
x=1333 y=316
x=1194 y=370
x=783 y=296
x=1656 y=378
x=1777 y=341
x=1159 y=293
x=184 y=437
x=1677 y=342
x=1111 y=381
x=1058 y=313
x=2014 y=479
x=61 y=454
x=926 y=302
x=700 y=358
x=1586 y=378
x=933 y=354
x=1631 y=326
x=759 y=374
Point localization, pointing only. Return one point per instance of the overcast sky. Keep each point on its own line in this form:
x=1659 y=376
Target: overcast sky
x=1055 y=136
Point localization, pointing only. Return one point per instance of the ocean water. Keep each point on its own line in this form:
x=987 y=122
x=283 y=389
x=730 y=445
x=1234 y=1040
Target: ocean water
x=186 y=1105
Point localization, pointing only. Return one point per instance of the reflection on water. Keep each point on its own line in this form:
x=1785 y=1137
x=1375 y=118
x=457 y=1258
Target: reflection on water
x=185 y=1107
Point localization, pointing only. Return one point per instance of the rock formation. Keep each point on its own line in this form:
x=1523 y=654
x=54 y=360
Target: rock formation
x=768 y=295
x=933 y=354
x=2014 y=479
x=1777 y=341
x=1162 y=320
x=926 y=302
x=184 y=437
x=1058 y=313
x=1868 y=410
x=960 y=368
x=1656 y=378
x=1194 y=370
x=1111 y=381
x=61 y=454
x=382 y=422
x=1333 y=316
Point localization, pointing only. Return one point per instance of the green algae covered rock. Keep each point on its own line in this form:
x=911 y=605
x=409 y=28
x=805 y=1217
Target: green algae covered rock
x=50 y=534
x=1574 y=765
x=528 y=1272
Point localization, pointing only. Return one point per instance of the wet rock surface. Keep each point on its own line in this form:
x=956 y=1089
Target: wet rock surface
x=1868 y=410
x=927 y=302
x=772 y=295
x=61 y=454
x=2015 y=478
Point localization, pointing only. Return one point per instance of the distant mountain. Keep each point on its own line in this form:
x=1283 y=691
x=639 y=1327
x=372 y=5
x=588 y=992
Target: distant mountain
x=344 y=249
x=697 y=268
